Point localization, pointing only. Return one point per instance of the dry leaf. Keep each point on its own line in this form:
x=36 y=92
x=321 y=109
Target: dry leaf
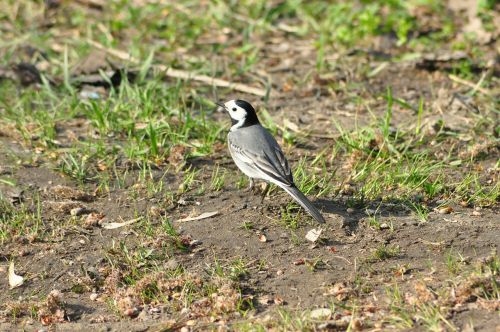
x=340 y=291
x=264 y=299
x=177 y=155
x=299 y=261
x=314 y=234
x=14 y=279
x=424 y=295
x=332 y=249
x=113 y=225
x=201 y=216
x=93 y=219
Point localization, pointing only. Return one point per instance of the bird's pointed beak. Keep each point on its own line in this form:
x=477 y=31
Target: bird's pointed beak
x=221 y=107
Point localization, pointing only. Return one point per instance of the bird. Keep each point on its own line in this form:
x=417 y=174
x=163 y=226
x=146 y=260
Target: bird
x=257 y=154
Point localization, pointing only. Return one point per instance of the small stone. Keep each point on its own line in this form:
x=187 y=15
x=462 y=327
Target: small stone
x=279 y=272
x=93 y=296
x=154 y=310
x=182 y=202
x=350 y=210
x=321 y=313
x=78 y=211
x=476 y=213
x=445 y=210
x=370 y=212
x=131 y=312
x=384 y=226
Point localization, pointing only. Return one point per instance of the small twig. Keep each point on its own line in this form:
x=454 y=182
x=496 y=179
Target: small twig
x=182 y=74
x=204 y=215
x=59 y=275
x=343 y=258
x=478 y=85
x=437 y=244
x=475 y=87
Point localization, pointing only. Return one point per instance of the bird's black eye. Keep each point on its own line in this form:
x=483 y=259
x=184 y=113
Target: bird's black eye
x=234 y=109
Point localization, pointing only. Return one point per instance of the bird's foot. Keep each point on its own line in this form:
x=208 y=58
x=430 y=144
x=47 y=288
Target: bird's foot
x=251 y=186
x=264 y=192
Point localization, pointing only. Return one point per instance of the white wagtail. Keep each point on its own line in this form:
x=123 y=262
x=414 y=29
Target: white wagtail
x=258 y=155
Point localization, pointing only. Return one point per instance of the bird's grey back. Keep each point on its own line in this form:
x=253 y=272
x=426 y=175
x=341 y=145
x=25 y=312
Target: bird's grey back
x=258 y=141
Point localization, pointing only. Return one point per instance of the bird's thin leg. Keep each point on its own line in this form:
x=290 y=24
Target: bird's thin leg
x=264 y=192
x=250 y=185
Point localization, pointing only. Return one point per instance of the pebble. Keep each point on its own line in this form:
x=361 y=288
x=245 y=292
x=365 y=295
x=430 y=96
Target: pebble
x=78 y=211
x=93 y=296
x=370 y=212
x=350 y=210
x=321 y=313
x=384 y=226
x=445 y=210
x=89 y=95
x=131 y=312
x=476 y=213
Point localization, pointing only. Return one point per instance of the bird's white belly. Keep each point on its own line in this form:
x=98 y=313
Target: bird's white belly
x=247 y=169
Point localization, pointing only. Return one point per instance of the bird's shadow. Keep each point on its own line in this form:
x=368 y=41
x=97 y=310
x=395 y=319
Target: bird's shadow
x=353 y=213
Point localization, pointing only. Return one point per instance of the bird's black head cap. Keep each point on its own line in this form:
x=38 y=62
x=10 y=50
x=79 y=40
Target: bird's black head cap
x=251 y=118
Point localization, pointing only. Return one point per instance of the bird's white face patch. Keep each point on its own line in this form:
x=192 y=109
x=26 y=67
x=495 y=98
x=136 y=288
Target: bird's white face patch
x=236 y=113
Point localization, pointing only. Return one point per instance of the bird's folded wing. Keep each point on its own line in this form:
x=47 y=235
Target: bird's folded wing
x=278 y=170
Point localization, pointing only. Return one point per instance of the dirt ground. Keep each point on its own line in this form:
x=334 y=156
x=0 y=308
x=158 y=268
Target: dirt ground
x=370 y=272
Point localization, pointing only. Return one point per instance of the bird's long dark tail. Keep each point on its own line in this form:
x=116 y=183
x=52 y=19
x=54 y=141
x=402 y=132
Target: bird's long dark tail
x=305 y=203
